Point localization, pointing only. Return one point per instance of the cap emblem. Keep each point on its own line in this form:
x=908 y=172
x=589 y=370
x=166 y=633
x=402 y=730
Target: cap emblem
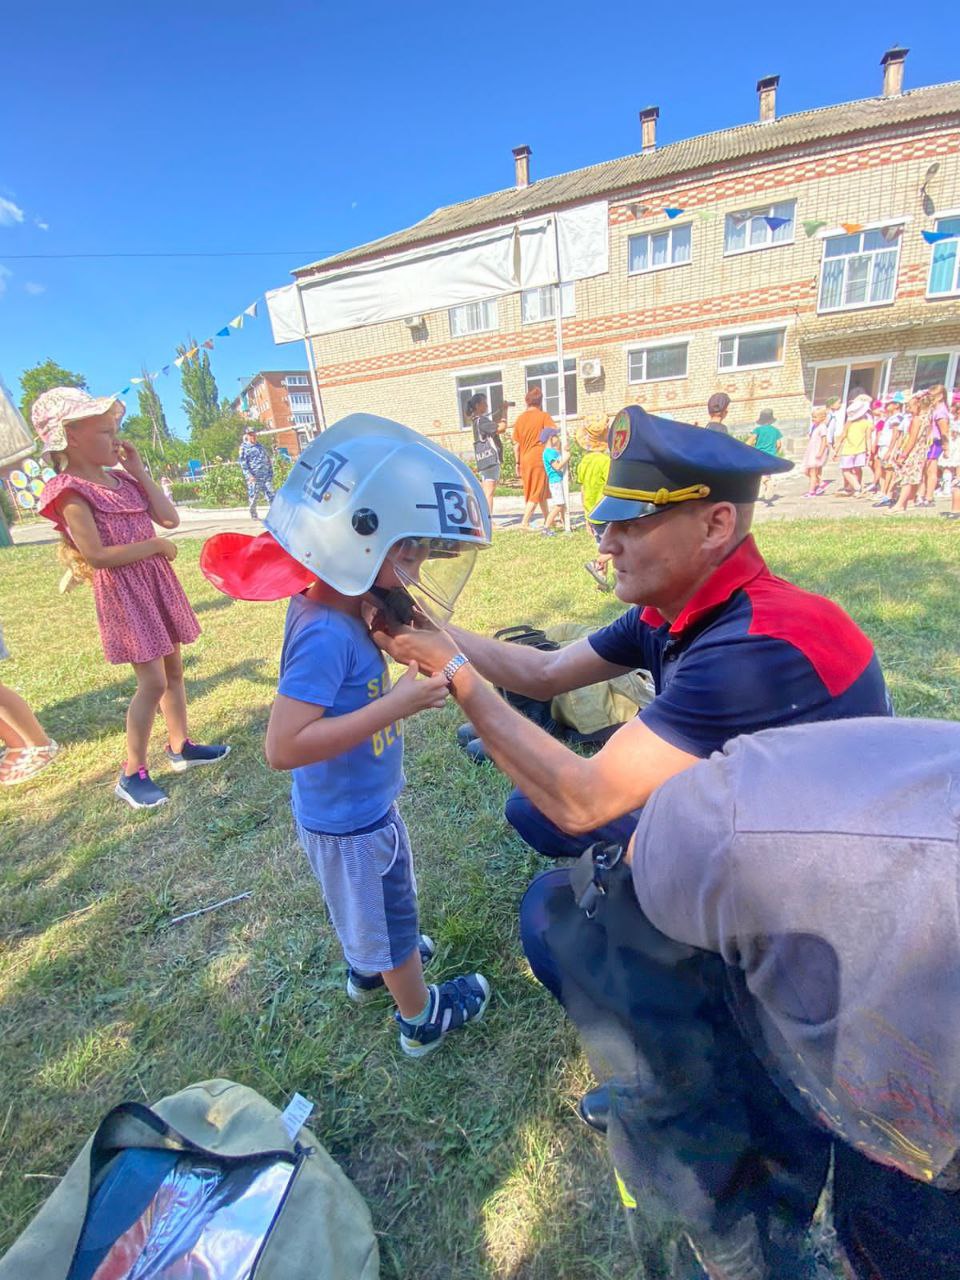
x=619 y=435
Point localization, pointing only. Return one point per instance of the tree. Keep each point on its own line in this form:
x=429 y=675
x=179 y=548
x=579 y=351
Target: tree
x=200 y=395
x=222 y=438
x=149 y=407
x=41 y=378
x=160 y=453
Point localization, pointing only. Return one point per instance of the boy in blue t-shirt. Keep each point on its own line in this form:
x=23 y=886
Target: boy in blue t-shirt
x=337 y=724
x=555 y=464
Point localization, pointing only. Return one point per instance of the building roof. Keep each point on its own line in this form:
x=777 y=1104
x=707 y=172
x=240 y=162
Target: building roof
x=628 y=174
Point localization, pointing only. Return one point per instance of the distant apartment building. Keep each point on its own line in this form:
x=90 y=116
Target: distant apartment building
x=282 y=402
x=780 y=261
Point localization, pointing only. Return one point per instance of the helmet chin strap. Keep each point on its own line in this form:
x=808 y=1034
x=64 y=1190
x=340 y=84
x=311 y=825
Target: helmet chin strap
x=397 y=605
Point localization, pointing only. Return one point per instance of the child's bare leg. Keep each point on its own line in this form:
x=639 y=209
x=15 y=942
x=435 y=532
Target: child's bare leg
x=151 y=686
x=543 y=508
x=19 y=727
x=173 y=704
x=406 y=985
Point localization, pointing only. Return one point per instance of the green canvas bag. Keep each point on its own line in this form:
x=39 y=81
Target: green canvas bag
x=312 y=1222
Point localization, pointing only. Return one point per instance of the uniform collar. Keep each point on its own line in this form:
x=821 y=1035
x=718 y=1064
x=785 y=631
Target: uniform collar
x=740 y=567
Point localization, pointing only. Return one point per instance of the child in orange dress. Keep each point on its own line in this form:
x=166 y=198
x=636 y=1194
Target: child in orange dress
x=107 y=514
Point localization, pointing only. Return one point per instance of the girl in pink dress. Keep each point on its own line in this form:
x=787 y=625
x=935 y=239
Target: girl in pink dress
x=107 y=515
x=816 y=453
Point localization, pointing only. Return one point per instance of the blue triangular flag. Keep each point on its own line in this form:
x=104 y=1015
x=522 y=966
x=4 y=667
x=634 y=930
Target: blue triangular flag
x=776 y=223
x=165 y=369
x=124 y=391
x=934 y=237
x=223 y=333
x=672 y=212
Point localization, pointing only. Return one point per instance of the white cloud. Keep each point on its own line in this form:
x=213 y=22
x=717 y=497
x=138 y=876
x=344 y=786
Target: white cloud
x=39 y=222
x=9 y=213
x=5 y=273
x=32 y=287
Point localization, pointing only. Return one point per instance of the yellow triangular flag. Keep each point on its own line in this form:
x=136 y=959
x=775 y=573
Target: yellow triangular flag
x=237 y=321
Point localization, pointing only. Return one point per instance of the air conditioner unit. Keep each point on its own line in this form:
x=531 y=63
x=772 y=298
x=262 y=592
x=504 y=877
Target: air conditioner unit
x=414 y=322
x=591 y=369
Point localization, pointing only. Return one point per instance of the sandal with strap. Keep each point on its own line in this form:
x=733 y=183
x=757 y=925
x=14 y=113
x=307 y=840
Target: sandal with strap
x=26 y=762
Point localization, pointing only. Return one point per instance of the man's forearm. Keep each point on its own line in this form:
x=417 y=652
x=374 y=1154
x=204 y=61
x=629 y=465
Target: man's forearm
x=517 y=667
x=550 y=775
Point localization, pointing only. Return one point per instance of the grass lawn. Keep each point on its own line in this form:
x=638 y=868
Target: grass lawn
x=472 y=1160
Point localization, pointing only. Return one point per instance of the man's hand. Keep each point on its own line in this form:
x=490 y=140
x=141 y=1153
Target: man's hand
x=410 y=695
x=428 y=648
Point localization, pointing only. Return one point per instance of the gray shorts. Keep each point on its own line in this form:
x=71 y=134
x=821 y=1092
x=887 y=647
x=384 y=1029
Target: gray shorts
x=370 y=890
x=489 y=473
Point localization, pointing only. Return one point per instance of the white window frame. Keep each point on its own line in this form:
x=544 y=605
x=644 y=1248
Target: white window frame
x=300 y=400
x=478 y=382
x=635 y=348
x=540 y=378
x=745 y=332
x=568 y=303
x=895 y=247
x=303 y=419
x=296 y=380
x=762 y=211
x=658 y=231
x=489 y=308
x=955 y=291
x=950 y=351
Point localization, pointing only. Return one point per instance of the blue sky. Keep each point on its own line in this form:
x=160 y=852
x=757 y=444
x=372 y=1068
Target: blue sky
x=308 y=128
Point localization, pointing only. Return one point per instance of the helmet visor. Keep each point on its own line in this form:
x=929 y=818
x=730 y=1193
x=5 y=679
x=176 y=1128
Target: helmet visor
x=433 y=570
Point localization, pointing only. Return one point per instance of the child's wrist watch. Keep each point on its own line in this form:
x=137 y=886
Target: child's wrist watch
x=453 y=666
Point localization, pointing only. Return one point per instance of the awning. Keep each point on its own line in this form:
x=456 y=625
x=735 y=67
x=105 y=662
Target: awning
x=16 y=439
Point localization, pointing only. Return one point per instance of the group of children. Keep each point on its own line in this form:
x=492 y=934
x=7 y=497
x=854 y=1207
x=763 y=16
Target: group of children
x=902 y=451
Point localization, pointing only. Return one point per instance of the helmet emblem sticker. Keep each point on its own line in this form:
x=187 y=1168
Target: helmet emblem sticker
x=457 y=509
x=324 y=475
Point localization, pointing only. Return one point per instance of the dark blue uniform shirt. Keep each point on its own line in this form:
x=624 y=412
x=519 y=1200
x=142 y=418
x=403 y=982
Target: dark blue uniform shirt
x=749 y=651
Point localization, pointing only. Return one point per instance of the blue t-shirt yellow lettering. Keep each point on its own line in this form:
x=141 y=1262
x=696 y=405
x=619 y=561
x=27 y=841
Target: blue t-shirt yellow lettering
x=329 y=661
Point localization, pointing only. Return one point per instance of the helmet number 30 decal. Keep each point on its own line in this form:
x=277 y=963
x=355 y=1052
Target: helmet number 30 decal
x=457 y=510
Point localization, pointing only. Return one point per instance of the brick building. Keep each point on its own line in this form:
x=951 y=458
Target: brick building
x=733 y=289
x=282 y=402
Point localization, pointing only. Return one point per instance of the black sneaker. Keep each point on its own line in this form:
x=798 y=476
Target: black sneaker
x=192 y=754
x=465 y=733
x=452 y=1005
x=139 y=790
x=362 y=987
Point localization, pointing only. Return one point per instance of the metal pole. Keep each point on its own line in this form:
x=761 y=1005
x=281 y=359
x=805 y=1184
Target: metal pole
x=311 y=364
x=558 y=326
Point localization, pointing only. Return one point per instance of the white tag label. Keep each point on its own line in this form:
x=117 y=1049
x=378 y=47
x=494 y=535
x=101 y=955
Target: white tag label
x=296 y=1114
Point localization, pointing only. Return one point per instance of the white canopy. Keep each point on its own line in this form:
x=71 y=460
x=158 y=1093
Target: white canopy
x=571 y=244
x=16 y=440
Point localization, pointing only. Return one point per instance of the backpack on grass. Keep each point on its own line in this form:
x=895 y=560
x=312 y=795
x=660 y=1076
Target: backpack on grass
x=208 y=1183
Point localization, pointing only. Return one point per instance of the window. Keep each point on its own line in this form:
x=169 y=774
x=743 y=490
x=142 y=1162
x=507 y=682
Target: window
x=931 y=371
x=538 y=304
x=750 y=229
x=474 y=317
x=669 y=248
x=300 y=400
x=302 y=419
x=489 y=384
x=297 y=380
x=652 y=364
x=859 y=270
x=545 y=377
x=945 y=263
x=749 y=350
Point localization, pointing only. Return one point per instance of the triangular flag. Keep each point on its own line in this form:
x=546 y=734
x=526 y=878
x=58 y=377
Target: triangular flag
x=891 y=233
x=811 y=228
x=136 y=381
x=776 y=223
x=179 y=361
x=706 y=215
x=851 y=228
x=672 y=212
x=222 y=333
x=124 y=391
x=165 y=370
x=208 y=344
x=251 y=310
x=237 y=321
x=154 y=375
x=933 y=237
x=738 y=219
x=190 y=354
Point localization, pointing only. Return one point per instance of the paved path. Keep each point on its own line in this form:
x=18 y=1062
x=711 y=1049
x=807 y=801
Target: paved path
x=788 y=504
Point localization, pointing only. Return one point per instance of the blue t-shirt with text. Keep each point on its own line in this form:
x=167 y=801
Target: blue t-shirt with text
x=329 y=660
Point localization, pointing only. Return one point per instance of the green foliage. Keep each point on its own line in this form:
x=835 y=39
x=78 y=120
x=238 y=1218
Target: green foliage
x=42 y=377
x=162 y=454
x=222 y=486
x=186 y=491
x=200 y=395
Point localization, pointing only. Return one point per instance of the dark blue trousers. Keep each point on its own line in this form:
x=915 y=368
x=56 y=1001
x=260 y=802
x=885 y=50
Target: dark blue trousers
x=536 y=829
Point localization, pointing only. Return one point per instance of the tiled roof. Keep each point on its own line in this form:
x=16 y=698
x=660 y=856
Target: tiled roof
x=677 y=158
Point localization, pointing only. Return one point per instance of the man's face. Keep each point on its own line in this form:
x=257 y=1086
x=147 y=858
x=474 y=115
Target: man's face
x=658 y=559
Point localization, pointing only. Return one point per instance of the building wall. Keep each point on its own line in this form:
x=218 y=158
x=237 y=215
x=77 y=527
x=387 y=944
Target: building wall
x=411 y=374
x=268 y=401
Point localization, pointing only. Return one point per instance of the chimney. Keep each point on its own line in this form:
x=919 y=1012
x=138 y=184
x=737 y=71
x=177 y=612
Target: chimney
x=767 y=89
x=892 y=63
x=521 y=160
x=648 y=129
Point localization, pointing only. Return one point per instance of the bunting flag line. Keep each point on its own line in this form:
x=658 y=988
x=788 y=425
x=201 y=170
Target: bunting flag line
x=670 y=210
x=852 y=228
x=252 y=309
x=223 y=333
x=934 y=237
x=738 y=219
x=208 y=344
x=237 y=321
x=891 y=233
x=179 y=361
x=191 y=353
x=136 y=381
x=124 y=391
x=165 y=370
x=776 y=223
x=812 y=227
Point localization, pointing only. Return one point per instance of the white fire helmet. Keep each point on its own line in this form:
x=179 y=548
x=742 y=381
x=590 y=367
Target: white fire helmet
x=369 y=493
